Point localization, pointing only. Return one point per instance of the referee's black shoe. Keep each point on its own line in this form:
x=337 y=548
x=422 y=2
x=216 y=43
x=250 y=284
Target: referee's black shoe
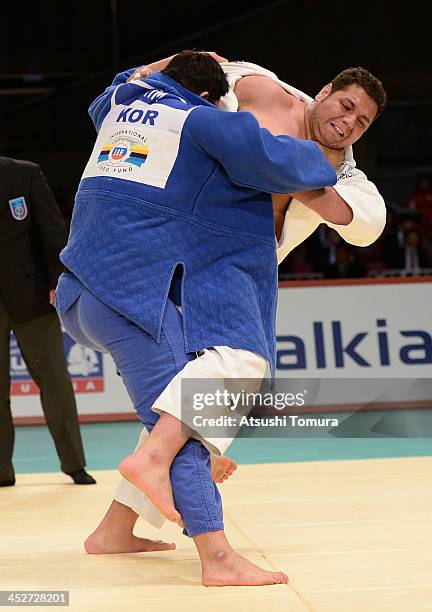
x=81 y=477
x=7 y=478
x=7 y=483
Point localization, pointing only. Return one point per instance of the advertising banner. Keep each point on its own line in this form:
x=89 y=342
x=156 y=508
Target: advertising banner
x=374 y=336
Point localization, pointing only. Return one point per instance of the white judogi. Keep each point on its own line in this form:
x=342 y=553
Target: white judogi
x=368 y=206
x=218 y=363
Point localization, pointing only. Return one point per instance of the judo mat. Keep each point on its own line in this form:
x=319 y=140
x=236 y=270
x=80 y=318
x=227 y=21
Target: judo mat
x=353 y=534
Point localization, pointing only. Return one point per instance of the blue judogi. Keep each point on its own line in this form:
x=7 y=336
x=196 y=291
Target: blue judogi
x=174 y=185
x=174 y=182
x=146 y=368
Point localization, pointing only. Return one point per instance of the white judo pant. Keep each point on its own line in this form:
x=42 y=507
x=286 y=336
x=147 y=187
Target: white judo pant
x=223 y=367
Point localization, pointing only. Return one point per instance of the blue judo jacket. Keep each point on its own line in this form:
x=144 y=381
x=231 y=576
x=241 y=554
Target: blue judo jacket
x=174 y=184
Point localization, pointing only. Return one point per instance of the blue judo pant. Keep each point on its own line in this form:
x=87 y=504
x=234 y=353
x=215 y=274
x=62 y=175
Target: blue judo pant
x=146 y=368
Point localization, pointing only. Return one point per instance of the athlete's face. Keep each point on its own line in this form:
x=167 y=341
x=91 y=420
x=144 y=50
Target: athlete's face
x=339 y=119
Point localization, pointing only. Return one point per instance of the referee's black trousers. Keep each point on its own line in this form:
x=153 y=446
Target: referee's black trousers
x=41 y=344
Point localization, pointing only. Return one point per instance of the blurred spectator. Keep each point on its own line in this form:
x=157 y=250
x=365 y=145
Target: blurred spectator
x=345 y=265
x=420 y=200
x=318 y=255
x=329 y=239
x=405 y=246
x=393 y=240
x=410 y=256
x=297 y=263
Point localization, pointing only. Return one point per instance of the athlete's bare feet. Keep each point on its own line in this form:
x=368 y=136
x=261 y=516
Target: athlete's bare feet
x=222 y=566
x=114 y=534
x=151 y=475
x=222 y=468
x=228 y=568
x=104 y=544
x=149 y=465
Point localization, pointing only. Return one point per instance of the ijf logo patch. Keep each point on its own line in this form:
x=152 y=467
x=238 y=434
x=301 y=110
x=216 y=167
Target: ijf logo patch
x=18 y=208
x=123 y=152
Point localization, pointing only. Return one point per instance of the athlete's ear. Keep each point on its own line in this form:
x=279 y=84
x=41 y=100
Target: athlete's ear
x=204 y=94
x=325 y=91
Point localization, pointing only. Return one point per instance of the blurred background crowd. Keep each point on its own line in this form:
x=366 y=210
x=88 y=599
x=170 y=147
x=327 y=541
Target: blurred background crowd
x=404 y=248
x=66 y=57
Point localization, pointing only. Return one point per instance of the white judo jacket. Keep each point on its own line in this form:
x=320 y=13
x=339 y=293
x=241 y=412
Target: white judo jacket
x=368 y=206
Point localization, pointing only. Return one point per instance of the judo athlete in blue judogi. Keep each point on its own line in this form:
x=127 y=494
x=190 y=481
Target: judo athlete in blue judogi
x=174 y=201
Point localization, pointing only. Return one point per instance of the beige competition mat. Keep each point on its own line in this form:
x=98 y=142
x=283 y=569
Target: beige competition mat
x=352 y=536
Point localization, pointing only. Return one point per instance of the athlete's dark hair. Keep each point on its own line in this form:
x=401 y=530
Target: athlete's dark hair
x=365 y=79
x=198 y=71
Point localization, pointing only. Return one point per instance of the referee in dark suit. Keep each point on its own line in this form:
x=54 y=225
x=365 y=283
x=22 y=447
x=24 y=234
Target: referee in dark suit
x=32 y=234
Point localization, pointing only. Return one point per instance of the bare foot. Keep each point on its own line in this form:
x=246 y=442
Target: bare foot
x=228 y=568
x=107 y=544
x=222 y=468
x=152 y=477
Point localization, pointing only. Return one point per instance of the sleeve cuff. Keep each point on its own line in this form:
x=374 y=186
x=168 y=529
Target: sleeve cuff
x=369 y=214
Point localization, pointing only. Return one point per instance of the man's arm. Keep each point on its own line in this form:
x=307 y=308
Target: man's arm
x=328 y=204
x=101 y=106
x=368 y=209
x=159 y=65
x=50 y=224
x=268 y=102
x=144 y=70
x=253 y=158
x=365 y=221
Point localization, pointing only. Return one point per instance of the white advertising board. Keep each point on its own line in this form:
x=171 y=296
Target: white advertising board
x=356 y=331
x=359 y=330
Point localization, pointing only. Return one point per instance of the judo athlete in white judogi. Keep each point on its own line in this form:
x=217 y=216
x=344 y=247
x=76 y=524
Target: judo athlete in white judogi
x=175 y=184
x=353 y=207
x=339 y=116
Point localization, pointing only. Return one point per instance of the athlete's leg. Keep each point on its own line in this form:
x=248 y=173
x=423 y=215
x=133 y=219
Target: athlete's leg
x=146 y=367
x=222 y=566
x=198 y=500
x=220 y=368
x=114 y=534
